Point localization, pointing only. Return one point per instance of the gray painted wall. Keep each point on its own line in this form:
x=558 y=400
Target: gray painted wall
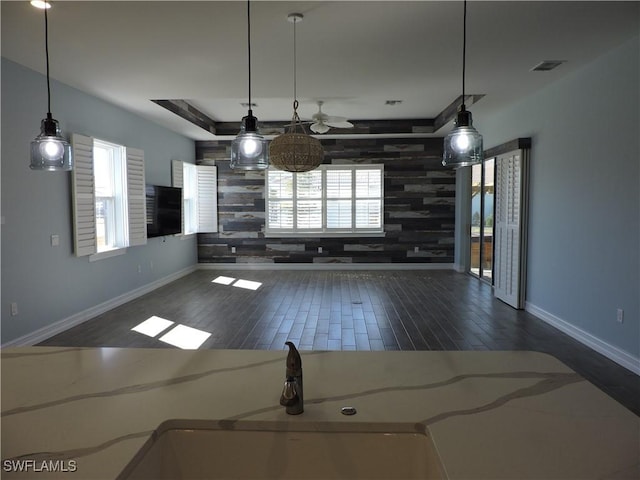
x=584 y=230
x=49 y=283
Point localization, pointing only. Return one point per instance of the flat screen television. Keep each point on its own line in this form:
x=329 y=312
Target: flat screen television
x=164 y=210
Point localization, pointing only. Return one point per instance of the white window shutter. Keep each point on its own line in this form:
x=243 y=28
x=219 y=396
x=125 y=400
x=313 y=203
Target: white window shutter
x=207 y=198
x=177 y=180
x=177 y=173
x=136 y=200
x=510 y=228
x=83 y=193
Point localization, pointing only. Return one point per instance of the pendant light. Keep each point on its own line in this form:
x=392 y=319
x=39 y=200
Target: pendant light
x=463 y=146
x=249 y=150
x=295 y=150
x=50 y=151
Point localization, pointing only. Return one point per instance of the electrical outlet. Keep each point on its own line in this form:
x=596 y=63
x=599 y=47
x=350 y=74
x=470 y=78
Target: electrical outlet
x=55 y=240
x=14 y=309
x=233 y=249
x=620 y=315
x=319 y=249
x=416 y=249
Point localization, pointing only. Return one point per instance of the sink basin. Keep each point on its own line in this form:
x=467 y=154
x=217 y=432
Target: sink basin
x=227 y=449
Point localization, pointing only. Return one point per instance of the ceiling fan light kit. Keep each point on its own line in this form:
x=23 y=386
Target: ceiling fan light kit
x=295 y=150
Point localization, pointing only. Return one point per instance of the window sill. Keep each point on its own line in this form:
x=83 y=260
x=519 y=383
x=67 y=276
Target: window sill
x=323 y=234
x=107 y=254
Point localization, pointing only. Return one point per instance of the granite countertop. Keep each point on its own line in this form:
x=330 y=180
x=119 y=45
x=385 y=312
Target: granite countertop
x=491 y=414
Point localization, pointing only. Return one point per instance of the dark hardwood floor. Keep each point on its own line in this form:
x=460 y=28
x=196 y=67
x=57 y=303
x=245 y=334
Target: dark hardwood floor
x=349 y=310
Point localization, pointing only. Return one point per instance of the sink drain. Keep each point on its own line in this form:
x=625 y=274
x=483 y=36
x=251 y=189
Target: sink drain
x=348 y=410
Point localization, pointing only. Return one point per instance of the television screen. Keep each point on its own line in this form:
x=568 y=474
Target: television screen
x=164 y=210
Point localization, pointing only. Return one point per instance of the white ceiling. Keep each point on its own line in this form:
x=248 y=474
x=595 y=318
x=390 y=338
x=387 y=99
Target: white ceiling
x=353 y=55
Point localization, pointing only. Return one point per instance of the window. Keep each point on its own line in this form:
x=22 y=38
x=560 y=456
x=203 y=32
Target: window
x=199 y=185
x=108 y=197
x=330 y=200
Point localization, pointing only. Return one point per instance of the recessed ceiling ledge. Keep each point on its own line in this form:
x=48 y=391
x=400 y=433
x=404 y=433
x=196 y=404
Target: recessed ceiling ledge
x=393 y=128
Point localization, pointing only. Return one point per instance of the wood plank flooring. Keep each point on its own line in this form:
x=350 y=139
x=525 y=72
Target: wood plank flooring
x=349 y=310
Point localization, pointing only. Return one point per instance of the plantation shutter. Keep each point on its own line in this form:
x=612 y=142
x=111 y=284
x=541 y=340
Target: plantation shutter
x=177 y=180
x=207 y=198
x=207 y=194
x=136 y=199
x=339 y=201
x=308 y=206
x=177 y=173
x=332 y=199
x=368 y=199
x=83 y=193
x=510 y=227
x=279 y=200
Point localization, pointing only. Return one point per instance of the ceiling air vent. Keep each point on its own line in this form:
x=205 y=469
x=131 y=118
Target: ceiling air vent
x=547 y=65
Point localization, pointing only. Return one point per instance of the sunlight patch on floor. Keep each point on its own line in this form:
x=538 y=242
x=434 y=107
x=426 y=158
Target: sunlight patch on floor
x=240 y=283
x=153 y=326
x=223 y=280
x=248 y=284
x=184 y=337
x=181 y=336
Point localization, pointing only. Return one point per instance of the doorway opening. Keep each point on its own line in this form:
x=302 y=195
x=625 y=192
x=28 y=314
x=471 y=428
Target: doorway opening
x=482 y=219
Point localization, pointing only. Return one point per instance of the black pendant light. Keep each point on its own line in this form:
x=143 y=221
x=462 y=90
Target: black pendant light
x=50 y=151
x=463 y=146
x=249 y=149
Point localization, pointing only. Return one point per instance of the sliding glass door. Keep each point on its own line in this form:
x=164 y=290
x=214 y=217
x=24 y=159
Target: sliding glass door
x=482 y=200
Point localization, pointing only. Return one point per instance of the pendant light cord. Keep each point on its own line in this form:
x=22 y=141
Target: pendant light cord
x=46 y=50
x=295 y=120
x=249 y=48
x=295 y=69
x=464 y=49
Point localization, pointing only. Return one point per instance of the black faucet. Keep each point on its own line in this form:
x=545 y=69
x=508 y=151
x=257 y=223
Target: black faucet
x=292 y=395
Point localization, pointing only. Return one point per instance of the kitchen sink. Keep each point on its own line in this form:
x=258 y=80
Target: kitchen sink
x=228 y=449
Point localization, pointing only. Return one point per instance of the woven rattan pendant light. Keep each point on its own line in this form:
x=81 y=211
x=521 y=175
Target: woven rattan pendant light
x=295 y=150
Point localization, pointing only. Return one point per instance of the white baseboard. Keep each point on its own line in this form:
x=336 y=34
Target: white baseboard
x=326 y=266
x=61 y=325
x=621 y=357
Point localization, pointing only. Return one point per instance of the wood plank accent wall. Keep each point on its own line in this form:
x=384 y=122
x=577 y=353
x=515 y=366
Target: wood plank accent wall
x=419 y=208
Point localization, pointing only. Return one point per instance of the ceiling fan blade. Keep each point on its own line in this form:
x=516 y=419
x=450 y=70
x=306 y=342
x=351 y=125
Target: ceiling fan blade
x=302 y=122
x=332 y=119
x=343 y=124
x=319 y=128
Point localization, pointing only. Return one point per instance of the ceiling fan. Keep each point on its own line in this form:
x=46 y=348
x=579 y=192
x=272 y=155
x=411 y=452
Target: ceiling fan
x=321 y=122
